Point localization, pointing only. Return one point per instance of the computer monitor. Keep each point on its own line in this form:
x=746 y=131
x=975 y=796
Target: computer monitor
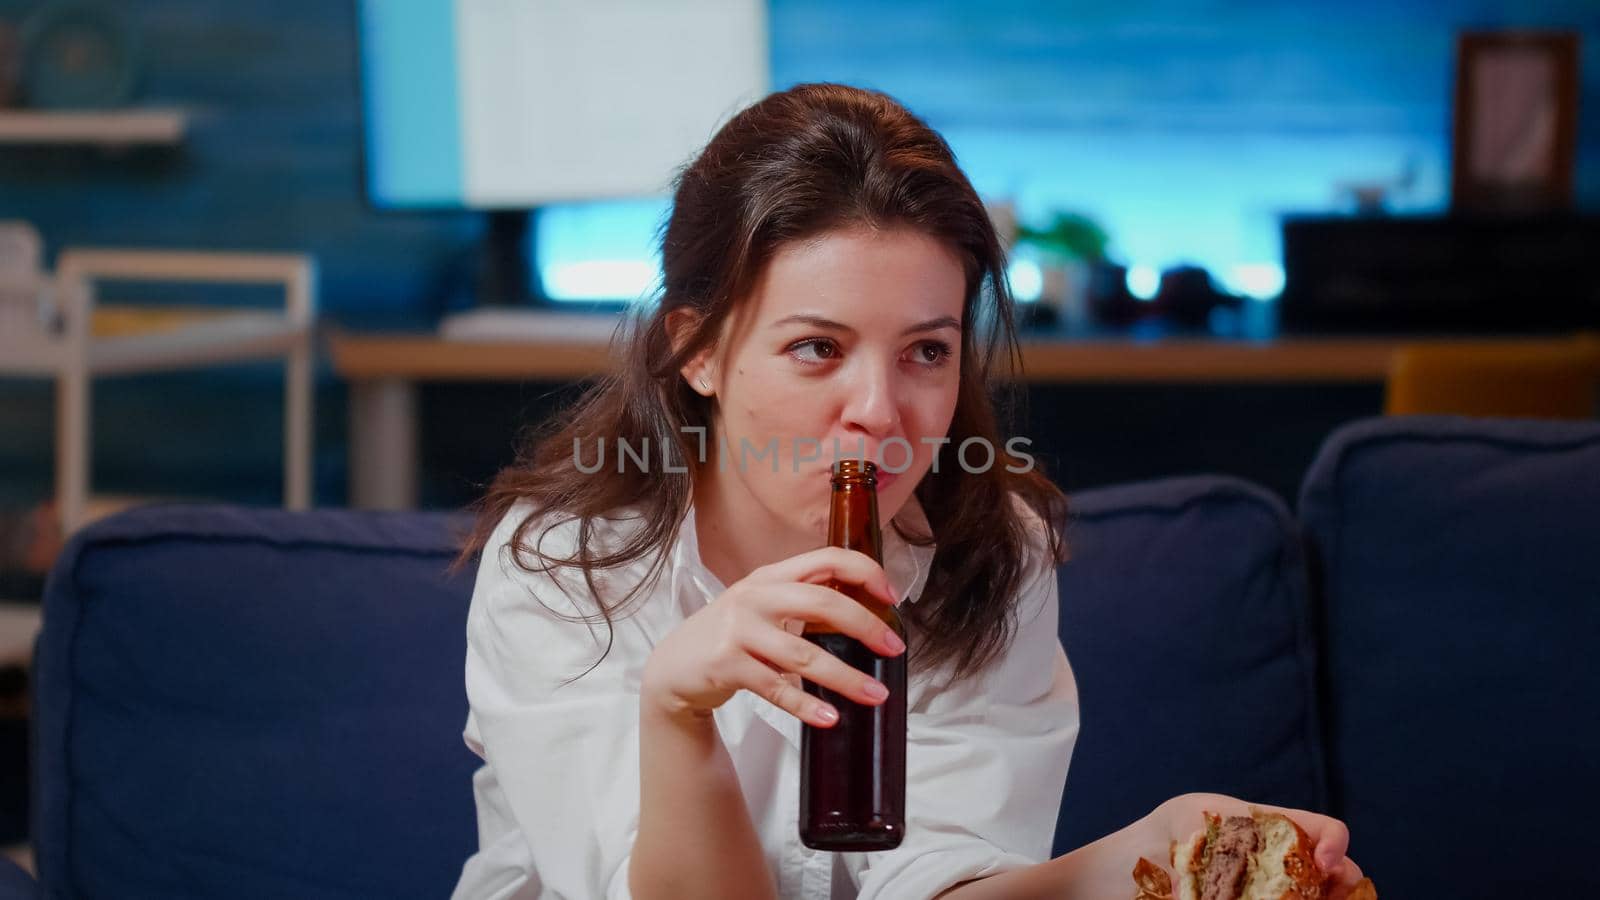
x=486 y=104
x=504 y=106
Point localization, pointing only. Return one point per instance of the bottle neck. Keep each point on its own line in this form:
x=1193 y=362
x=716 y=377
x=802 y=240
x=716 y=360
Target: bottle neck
x=853 y=525
x=853 y=517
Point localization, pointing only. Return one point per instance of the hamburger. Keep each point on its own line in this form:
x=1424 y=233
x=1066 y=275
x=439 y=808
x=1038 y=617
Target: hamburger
x=1262 y=856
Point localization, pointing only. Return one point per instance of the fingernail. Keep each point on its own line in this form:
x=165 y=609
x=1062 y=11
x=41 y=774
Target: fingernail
x=875 y=689
x=827 y=713
x=893 y=642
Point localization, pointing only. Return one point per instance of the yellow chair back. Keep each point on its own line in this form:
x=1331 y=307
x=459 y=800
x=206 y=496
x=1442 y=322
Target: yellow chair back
x=1545 y=379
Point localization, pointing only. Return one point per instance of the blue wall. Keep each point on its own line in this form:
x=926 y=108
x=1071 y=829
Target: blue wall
x=1137 y=111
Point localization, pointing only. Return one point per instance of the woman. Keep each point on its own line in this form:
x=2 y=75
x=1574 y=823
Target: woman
x=831 y=280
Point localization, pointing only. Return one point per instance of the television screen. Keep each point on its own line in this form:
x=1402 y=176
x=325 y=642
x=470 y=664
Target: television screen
x=509 y=104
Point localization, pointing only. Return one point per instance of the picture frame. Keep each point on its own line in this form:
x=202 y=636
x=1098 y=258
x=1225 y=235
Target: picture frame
x=1516 y=122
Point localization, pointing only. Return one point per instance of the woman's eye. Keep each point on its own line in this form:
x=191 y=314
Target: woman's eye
x=814 y=350
x=931 y=353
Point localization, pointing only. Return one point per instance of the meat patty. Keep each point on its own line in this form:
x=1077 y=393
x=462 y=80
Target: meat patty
x=1229 y=859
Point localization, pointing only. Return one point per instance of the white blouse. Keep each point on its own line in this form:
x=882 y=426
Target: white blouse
x=558 y=794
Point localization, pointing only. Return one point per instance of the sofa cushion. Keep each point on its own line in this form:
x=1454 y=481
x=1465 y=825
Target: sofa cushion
x=1462 y=604
x=1184 y=613
x=254 y=703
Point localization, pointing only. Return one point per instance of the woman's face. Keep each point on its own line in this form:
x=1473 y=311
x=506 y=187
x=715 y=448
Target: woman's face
x=854 y=338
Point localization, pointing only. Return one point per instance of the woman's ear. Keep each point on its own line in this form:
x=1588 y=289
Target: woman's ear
x=700 y=370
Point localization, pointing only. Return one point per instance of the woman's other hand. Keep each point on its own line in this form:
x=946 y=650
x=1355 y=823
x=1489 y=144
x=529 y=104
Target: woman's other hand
x=1180 y=817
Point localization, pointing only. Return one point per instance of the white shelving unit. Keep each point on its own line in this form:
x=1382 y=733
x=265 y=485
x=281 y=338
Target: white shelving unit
x=120 y=128
x=169 y=341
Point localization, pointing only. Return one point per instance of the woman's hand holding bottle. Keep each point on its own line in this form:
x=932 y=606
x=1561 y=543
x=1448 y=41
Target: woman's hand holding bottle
x=742 y=640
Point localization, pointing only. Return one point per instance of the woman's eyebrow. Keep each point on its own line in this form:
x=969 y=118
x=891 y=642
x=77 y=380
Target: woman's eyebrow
x=814 y=321
x=934 y=324
x=830 y=325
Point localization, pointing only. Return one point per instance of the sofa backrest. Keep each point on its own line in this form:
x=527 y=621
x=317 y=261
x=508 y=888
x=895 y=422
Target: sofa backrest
x=250 y=702
x=254 y=703
x=1184 y=613
x=1460 y=612
x=239 y=702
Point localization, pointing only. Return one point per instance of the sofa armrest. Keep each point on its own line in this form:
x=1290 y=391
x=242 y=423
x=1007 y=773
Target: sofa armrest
x=15 y=882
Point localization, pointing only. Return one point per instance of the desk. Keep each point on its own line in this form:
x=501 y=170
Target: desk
x=383 y=371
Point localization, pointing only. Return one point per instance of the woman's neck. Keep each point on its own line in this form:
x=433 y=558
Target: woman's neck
x=734 y=533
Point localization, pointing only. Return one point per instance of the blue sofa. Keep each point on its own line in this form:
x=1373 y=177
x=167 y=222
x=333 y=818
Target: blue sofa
x=251 y=703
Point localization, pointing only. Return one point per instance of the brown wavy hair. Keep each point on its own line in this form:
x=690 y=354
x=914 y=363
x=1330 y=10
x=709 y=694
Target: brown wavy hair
x=799 y=163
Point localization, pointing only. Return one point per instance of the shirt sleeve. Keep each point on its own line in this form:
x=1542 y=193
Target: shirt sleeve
x=558 y=797
x=986 y=762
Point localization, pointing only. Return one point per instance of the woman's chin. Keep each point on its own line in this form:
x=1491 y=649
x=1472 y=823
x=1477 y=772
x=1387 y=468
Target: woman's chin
x=891 y=501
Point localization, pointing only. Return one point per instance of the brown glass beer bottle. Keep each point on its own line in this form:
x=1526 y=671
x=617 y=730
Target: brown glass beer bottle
x=853 y=775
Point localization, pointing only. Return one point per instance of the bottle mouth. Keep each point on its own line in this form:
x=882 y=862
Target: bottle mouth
x=857 y=471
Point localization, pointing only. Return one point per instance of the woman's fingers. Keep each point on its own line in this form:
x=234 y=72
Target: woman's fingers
x=742 y=640
x=830 y=564
x=825 y=606
x=785 y=693
x=1344 y=877
x=789 y=653
x=1332 y=842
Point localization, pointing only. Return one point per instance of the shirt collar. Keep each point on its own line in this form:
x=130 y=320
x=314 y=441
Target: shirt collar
x=908 y=564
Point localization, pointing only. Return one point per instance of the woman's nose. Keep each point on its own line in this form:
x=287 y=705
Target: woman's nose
x=870 y=404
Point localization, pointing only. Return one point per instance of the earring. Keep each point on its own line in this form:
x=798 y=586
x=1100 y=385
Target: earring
x=704 y=386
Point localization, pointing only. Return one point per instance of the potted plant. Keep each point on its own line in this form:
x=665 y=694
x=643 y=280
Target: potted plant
x=1068 y=249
